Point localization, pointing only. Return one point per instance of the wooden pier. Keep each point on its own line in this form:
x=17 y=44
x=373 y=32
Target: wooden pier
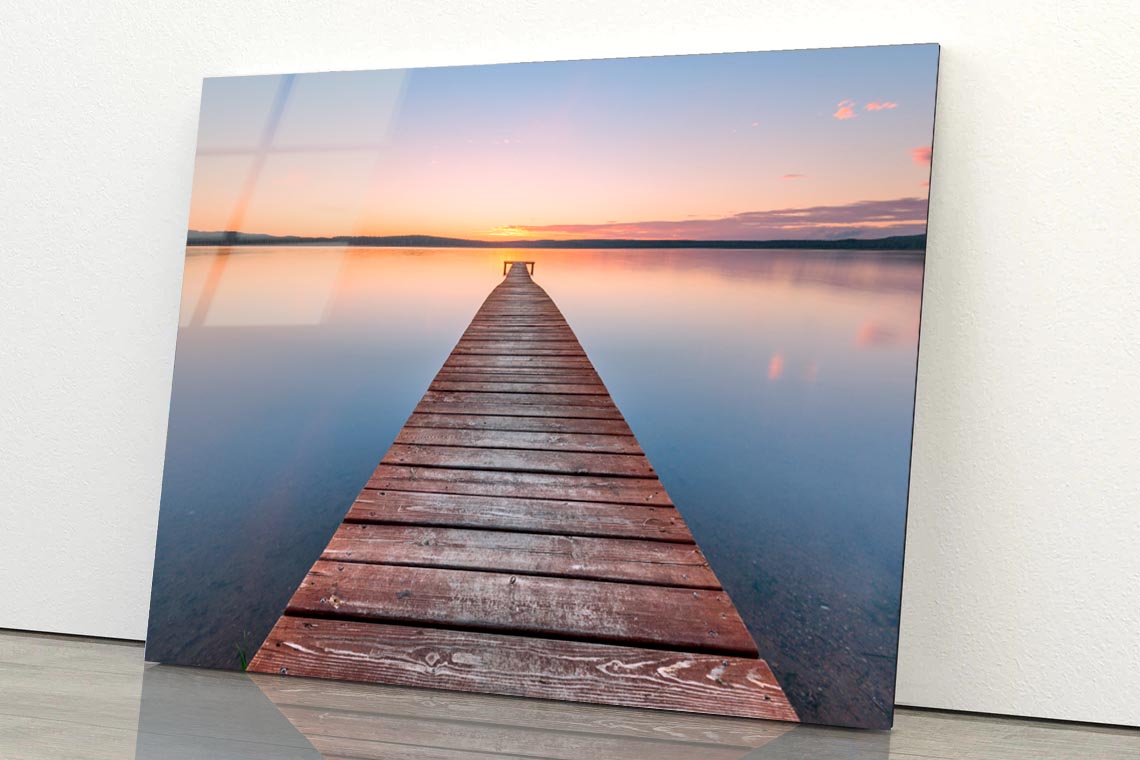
x=516 y=540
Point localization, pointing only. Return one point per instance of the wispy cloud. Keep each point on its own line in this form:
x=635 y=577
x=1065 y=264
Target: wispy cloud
x=921 y=155
x=862 y=219
x=845 y=110
x=793 y=176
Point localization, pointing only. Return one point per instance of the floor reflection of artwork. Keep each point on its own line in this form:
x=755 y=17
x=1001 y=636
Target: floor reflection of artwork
x=354 y=720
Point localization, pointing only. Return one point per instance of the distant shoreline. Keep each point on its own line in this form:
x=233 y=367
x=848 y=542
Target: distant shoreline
x=894 y=243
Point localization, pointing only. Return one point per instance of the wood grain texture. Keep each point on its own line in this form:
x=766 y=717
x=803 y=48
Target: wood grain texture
x=527 y=335
x=561 y=556
x=471 y=458
x=681 y=618
x=456 y=361
x=516 y=439
x=517 y=375
x=516 y=348
x=522 y=666
x=520 y=332
x=526 y=485
x=559 y=517
x=506 y=408
x=491 y=386
x=519 y=399
x=474 y=422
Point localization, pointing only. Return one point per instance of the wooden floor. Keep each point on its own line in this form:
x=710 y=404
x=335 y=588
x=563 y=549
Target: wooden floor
x=66 y=698
x=516 y=540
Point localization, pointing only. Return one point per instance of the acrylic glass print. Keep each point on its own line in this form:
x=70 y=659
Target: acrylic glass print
x=586 y=380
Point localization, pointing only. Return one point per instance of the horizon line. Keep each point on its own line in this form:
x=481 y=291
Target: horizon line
x=915 y=241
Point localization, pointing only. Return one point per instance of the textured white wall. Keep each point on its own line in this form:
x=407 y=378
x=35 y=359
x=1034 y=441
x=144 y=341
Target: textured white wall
x=1023 y=565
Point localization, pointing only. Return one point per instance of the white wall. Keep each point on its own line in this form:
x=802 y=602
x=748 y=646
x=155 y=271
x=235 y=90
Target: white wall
x=1023 y=565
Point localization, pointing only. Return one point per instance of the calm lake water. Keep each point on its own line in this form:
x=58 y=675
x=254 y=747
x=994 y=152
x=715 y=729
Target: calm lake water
x=773 y=392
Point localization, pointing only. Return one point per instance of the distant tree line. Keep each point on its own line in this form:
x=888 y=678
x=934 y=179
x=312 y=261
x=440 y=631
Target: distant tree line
x=893 y=243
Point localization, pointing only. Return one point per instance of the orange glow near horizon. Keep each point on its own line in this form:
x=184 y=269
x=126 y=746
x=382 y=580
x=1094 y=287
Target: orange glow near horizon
x=310 y=286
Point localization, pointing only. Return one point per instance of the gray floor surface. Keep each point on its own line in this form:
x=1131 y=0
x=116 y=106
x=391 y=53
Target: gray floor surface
x=64 y=697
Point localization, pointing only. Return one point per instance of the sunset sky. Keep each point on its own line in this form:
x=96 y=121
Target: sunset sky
x=801 y=144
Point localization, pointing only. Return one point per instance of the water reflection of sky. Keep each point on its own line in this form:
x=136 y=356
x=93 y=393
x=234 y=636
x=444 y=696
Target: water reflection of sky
x=772 y=391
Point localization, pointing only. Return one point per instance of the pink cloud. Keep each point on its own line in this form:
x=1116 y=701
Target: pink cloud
x=881 y=105
x=845 y=110
x=776 y=366
x=862 y=219
x=920 y=155
x=793 y=176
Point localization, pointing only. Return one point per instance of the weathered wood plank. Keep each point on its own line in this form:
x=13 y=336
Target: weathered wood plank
x=478 y=327
x=574 y=462
x=523 y=666
x=574 y=369
x=485 y=322
x=511 y=345
x=500 y=311
x=522 y=424
x=519 y=316
x=505 y=349
x=523 y=341
x=566 y=556
x=517 y=399
x=678 y=618
x=501 y=409
x=526 y=485
x=493 y=322
x=495 y=310
x=520 y=334
x=513 y=439
x=578 y=518
x=529 y=378
x=504 y=360
x=518 y=375
x=492 y=386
